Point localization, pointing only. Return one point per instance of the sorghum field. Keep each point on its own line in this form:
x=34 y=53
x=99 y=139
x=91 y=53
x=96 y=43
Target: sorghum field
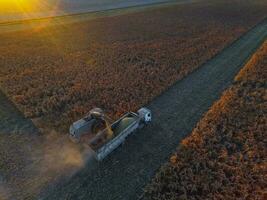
x=57 y=74
x=224 y=158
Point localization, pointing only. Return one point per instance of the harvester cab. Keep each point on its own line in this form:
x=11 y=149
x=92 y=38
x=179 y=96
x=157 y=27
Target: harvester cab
x=145 y=115
x=97 y=113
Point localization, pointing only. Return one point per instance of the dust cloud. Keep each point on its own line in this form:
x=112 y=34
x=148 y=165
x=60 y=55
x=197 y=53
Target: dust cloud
x=52 y=158
x=61 y=158
x=59 y=153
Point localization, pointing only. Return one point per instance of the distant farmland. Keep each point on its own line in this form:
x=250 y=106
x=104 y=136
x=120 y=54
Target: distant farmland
x=12 y=10
x=57 y=74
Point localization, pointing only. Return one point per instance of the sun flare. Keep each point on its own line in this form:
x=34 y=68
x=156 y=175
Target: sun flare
x=23 y=6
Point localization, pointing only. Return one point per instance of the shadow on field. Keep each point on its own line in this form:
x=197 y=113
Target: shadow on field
x=12 y=119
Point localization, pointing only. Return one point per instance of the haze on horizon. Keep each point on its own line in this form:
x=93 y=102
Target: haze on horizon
x=28 y=9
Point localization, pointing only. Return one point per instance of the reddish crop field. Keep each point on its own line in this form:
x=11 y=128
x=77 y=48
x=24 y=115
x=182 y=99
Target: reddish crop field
x=224 y=158
x=57 y=74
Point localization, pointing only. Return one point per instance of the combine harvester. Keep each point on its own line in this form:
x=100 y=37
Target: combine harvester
x=95 y=131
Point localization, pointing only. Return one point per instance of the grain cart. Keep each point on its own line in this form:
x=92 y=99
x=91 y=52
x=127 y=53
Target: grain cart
x=97 y=133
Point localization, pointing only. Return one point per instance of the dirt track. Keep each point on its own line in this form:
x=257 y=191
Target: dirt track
x=128 y=169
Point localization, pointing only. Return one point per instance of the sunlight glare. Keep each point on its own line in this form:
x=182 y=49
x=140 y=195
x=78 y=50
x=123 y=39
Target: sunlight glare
x=22 y=6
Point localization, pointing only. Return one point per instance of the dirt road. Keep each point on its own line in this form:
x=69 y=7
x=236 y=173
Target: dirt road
x=124 y=173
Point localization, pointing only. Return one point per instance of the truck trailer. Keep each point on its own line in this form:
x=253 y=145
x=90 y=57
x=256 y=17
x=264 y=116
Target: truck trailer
x=103 y=137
